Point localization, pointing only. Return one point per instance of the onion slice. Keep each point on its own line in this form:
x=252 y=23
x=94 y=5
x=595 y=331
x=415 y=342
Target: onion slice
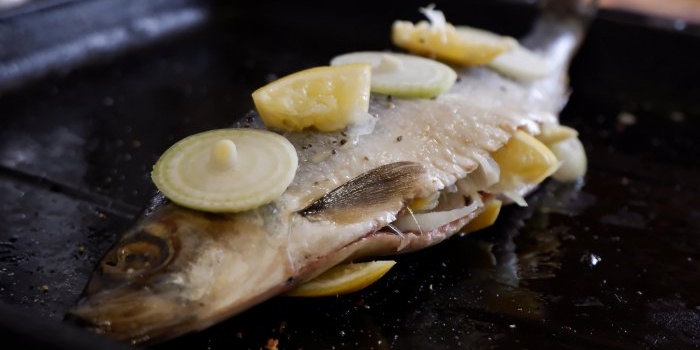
x=226 y=170
x=402 y=75
x=423 y=222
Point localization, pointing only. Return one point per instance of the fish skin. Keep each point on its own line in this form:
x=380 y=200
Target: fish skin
x=178 y=270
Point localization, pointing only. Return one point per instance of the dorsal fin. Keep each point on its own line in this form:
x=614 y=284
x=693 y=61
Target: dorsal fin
x=382 y=189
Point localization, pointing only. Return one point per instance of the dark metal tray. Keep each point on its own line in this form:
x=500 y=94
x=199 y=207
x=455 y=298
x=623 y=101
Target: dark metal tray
x=611 y=263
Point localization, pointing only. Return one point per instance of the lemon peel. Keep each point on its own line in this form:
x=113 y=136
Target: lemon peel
x=343 y=279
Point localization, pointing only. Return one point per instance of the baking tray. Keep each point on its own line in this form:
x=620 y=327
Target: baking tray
x=612 y=262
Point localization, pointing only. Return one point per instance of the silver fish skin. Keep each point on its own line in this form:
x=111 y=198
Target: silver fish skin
x=179 y=270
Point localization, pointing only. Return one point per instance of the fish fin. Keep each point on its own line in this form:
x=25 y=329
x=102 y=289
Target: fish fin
x=382 y=189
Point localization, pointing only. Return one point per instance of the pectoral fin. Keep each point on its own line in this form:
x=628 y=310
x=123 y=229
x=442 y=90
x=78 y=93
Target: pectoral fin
x=384 y=189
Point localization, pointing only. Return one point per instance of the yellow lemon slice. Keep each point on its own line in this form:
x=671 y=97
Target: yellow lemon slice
x=524 y=160
x=441 y=40
x=226 y=170
x=343 y=279
x=487 y=217
x=402 y=75
x=326 y=98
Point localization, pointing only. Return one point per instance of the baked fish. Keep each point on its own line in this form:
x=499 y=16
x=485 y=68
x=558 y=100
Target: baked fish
x=354 y=196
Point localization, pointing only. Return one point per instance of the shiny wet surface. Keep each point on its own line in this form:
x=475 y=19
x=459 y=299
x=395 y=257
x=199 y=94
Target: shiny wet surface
x=610 y=262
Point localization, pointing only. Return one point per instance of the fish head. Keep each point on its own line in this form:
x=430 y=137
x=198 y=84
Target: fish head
x=152 y=283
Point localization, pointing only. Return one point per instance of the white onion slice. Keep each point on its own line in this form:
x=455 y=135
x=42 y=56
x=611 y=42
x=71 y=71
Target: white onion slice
x=427 y=221
x=516 y=197
x=573 y=157
x=482 y=178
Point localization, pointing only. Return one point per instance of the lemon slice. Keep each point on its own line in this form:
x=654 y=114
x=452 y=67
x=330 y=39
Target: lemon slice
x=343 y=279
x=226 y=170
x=521 y=63
x=326 y=98
x=442 y=40
x=487 y=217
x=524 y=160
x=403 y=75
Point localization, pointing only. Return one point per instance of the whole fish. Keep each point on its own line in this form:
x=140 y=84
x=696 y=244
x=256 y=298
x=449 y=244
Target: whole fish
x=180 y=270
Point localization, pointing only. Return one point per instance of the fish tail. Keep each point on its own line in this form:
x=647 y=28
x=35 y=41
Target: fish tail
x=560 y=29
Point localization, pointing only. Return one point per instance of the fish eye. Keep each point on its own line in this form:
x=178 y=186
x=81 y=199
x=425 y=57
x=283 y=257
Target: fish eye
x=140 y=254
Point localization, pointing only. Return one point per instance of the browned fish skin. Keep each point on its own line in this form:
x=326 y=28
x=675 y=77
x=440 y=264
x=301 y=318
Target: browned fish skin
x=179 y=270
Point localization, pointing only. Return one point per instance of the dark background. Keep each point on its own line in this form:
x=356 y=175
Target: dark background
x=91 y=92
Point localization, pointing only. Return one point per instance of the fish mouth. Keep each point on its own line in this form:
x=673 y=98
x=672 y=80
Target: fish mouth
x=122 y=316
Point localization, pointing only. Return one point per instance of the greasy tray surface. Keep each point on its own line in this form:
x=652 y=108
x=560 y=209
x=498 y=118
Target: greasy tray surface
x=613 y=262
